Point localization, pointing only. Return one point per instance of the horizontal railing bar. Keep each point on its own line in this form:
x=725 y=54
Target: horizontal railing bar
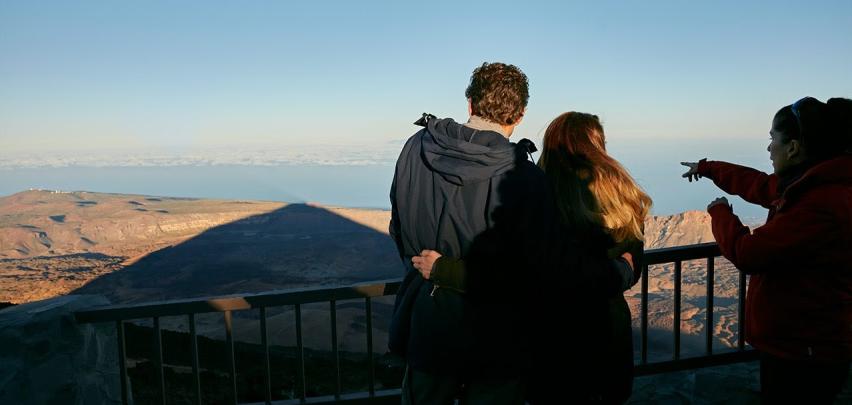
x=381 y=397
x=319 y=294
x=681 y=253
x=690 y=363
x=238 y=302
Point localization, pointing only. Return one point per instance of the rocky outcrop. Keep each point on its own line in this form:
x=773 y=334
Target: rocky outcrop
x=48 y=358
x=686 y=228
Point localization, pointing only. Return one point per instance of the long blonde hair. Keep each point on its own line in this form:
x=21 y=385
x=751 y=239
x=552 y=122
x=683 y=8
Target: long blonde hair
x=592 y=188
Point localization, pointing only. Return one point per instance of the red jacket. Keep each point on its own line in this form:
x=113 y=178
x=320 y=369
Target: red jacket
x=799 y=302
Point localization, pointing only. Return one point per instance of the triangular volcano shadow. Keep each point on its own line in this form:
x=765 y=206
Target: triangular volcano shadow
x=295 y=246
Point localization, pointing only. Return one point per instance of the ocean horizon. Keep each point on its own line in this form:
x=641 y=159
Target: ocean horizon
x=366 y=183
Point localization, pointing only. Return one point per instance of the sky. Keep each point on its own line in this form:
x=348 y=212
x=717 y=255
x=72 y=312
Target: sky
x=88 y=76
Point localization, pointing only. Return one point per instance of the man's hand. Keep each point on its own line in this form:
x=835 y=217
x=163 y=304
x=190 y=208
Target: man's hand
x=425 y=262
x=629 y=257
x=692 y=173
x=720 y=200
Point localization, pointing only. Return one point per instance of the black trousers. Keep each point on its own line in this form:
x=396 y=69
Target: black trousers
x=785 y=381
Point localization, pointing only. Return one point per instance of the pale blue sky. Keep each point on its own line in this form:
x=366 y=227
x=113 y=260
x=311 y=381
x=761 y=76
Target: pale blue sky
x=88 y=75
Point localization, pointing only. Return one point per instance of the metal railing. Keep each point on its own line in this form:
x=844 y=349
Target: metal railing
x=297 y=298
x=678 y=255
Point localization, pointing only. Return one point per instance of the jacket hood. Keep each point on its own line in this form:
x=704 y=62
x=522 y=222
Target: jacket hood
x=837 y=171
x=465 y=155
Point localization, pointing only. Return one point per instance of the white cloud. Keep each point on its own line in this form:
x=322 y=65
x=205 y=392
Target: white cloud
x=378 y=153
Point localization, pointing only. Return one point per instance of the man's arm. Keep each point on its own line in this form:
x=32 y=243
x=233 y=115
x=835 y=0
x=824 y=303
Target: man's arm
x=449 y=272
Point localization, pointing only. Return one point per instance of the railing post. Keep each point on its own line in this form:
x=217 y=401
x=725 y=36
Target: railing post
x=370 y=360
x=158 y=360
x=741 y=316
x=300 y=372
x=709 y=324
x=264 y=339
x=644 y=315
x=232 y=364
x=678 y=278
x=196 y=371
x=337 y=385
x=122 y=362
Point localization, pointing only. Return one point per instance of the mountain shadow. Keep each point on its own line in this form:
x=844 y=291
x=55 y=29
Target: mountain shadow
x=295 y=246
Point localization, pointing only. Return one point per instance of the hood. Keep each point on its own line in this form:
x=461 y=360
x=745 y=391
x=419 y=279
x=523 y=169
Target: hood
x=833 y=171
x=463 y=155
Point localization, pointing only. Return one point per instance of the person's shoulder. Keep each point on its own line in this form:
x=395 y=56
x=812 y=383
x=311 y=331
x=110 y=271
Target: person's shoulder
x=531 y=172
x=412 y=140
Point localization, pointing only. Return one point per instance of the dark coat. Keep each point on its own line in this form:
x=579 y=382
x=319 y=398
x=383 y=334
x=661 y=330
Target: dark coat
x=799 y=301
x=452 y=183
x=583 y=349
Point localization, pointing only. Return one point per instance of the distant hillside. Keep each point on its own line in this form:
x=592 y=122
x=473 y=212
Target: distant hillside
x=47 y=223
x=54 y=242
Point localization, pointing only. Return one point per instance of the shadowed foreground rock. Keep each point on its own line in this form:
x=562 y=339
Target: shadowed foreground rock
x=48 y=358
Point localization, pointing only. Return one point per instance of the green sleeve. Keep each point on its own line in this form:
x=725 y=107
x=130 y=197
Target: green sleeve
x=637 y=249
x=450 y=272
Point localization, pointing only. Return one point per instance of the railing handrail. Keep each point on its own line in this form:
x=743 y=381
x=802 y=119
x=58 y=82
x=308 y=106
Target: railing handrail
x=682 y=253
x=312 y=295
x=238 y=302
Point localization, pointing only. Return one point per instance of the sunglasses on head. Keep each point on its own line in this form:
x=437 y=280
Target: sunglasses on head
x=795 y=108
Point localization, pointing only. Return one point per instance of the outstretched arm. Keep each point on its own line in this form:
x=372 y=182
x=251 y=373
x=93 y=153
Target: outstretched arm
x=752 y=185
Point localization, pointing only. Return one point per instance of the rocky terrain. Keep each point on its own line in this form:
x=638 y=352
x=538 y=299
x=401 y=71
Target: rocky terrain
x=679 y=230
x=52 y=243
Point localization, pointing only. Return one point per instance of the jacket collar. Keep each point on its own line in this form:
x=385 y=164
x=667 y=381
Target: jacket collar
x=833 y=171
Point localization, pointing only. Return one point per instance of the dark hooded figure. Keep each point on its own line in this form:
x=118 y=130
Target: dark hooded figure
x=446 y=192
x=799 y=300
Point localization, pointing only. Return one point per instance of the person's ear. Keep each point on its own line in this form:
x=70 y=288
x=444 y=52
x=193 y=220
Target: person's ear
x=794 y=150
x=469 y=107
x=521 y=118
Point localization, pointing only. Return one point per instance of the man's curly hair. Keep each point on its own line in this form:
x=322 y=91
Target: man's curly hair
x=498 y=92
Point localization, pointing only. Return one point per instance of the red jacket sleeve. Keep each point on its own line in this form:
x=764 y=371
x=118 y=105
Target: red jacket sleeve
x=786 y=241
x=752 y=185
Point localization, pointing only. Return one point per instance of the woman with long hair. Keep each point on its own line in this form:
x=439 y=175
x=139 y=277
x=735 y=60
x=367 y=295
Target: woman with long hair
x=592 y=189
x=600 y=208
x=600 y=202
